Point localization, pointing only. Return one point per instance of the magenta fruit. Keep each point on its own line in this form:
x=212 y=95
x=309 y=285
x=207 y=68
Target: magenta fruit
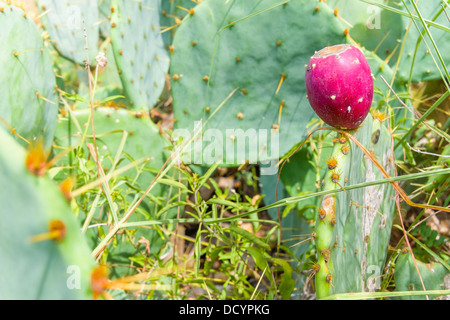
x=339 y=85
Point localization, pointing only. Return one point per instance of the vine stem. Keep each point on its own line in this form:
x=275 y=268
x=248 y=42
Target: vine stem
x=87 y=65
x=397 y=202
x=94 y=150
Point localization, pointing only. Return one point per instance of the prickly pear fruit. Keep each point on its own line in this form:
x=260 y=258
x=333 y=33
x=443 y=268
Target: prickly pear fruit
x=339 y=85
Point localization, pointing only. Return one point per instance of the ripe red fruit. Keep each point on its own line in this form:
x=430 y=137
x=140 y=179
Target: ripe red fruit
x=339 y=86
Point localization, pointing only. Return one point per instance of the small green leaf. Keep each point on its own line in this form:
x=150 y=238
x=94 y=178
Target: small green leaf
x=212 y=257
x=250 y=236
x=260 y=261
x=174 y=183
x=111 y=99
x=289 y=207
x=75 y=97
x=223 y=202
x=287 y=284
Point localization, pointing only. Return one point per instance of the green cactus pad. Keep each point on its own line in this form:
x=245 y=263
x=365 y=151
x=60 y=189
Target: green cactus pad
x=64 y=22
x=27 y=93
x=363 y=216
x=37 y=270
x=104 y=11
x=142 y=61
x=434 y=276
x=259 y=62
x=351 y=250
x=173 y=11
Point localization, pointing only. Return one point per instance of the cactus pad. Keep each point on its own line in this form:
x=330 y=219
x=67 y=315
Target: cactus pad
x=220 y=49
x=29 y=102
x=64 y=22
x=32 y=206
x=142 y=61
x=434 y=275
x=359 y=236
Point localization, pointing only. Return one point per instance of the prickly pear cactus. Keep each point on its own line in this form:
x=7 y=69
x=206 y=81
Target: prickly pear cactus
x=27 y=90
x=220 y=52
x=353 y=227
x=65 y=21
x=304 y=170
x=43 y=254
x=142 y=61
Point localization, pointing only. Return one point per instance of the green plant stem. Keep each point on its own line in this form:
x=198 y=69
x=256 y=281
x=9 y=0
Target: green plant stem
x=372 y=295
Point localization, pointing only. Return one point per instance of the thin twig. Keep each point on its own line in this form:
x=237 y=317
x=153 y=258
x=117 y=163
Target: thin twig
x=397 y=202
x=445 y=11
x=429 y=153
x=91 y=93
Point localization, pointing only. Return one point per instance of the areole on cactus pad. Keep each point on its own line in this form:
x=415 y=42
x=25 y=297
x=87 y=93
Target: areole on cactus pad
x=339 y=85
